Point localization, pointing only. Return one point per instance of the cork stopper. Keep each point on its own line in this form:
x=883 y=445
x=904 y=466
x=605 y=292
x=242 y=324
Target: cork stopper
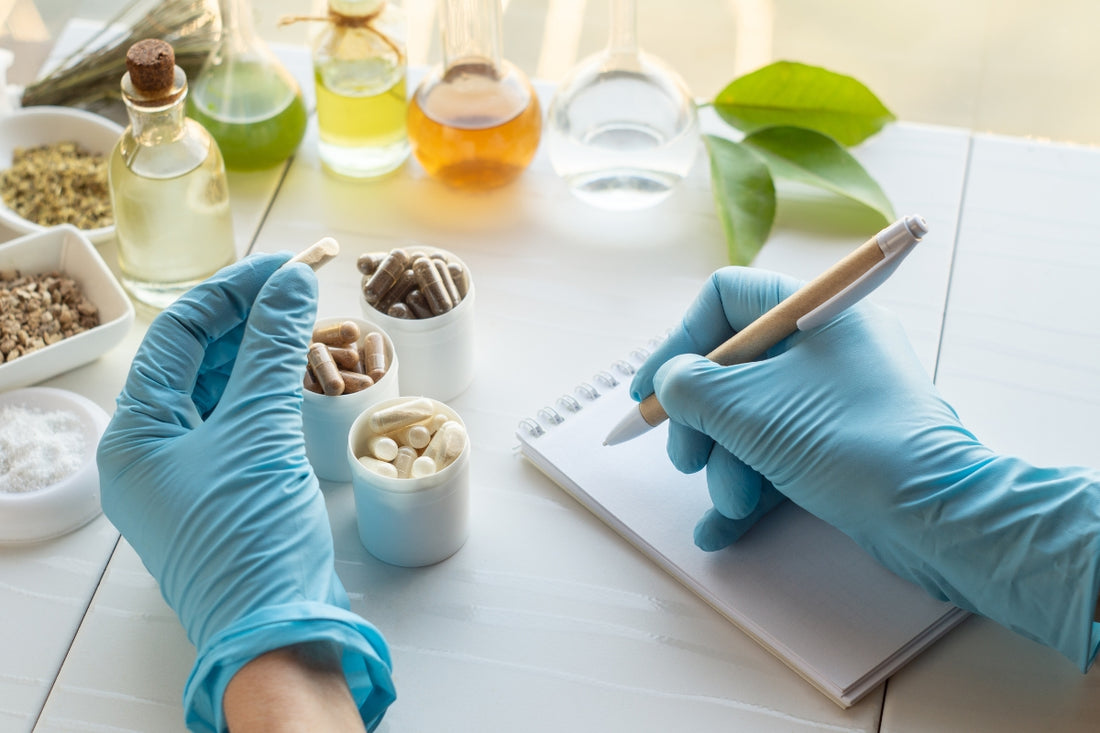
x=152 y=67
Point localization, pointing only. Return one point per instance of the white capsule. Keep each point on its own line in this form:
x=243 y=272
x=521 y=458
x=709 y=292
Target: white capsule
x=380 y=467
x=404 y=461
x=400 y=415
x=422 y=466
x=382 y=447
x=447 y=444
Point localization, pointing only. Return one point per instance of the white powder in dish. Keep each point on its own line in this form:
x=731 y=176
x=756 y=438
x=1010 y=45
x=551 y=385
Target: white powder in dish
x=38 y=448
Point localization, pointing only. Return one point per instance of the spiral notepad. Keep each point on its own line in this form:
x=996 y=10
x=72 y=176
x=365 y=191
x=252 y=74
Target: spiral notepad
x=802 y=589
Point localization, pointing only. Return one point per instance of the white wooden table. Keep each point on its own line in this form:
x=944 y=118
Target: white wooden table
x=546 y=620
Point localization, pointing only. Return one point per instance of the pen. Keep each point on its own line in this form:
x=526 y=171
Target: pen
x=815 y=303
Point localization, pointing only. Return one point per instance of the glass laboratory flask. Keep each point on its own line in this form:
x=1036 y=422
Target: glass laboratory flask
x=359 y=66
x=621 y=128
x=474 y=121
x=168 y=186
x=245 y=97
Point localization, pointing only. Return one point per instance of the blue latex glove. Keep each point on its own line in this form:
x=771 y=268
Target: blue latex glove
x=845 y=422
x=203 y=470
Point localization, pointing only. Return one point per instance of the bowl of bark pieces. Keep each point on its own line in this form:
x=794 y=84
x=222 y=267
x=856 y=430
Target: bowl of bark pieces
x=60 y=306
x=53 y=170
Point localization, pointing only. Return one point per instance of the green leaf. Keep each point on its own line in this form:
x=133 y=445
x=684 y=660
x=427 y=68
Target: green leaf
x=808 y=157
x=744 y=194
x=790 y=93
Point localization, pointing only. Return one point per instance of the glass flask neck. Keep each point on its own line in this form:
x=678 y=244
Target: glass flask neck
x=471 y=30
x=237 y=32
x=623 y=39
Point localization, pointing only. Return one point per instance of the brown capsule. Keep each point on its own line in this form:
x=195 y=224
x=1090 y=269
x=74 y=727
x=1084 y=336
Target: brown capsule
x=374 y=355
x=397 y=293
x=325 y=370
x=399 y=310
x=355 y=382
x=431 y=285
x=388 y=272
x=338 y=334
x=369 y=262
x=460 y=278
x=310 y=383
x=346 y=357
x=418 y=304
x=448 y=282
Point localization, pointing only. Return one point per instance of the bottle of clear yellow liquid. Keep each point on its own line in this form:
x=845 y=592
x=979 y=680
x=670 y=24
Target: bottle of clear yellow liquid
x=168 y=186
x=359 y=67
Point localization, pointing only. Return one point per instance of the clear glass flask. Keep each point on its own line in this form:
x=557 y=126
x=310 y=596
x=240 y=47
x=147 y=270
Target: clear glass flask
x=359 y=66
x=168 y=187
x=245 y=97
x=474 y=121
x=621 y=128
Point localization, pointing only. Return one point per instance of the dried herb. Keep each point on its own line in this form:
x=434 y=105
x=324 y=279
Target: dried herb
x=39 y=310
x=60 y=183
x=89 y=77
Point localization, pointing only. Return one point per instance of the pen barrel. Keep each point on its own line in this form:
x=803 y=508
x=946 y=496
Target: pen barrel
x=754 y=340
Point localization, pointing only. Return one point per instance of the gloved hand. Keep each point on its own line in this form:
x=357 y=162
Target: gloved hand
x=845 y=422
x=203 y=470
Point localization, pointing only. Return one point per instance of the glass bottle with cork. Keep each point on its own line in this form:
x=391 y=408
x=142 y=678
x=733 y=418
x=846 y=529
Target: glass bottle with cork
x=168 y=186
x=474 y=121
x=359 y=66
x=245 y=97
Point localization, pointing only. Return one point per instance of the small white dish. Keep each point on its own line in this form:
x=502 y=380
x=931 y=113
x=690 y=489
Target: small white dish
x=66 y=249
x=33 y=126
x=69 y=503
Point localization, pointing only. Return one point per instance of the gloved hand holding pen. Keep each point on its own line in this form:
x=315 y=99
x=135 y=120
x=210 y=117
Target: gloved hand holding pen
x=203 y=470
x=844 y=421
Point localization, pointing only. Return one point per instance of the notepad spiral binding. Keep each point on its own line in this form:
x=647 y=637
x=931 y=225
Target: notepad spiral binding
x=588 y=392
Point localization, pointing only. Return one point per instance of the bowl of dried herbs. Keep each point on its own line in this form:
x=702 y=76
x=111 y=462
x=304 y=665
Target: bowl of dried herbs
x=53 y=170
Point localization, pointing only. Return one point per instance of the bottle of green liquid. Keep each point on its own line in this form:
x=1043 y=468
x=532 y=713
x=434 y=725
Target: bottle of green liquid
x=246 y=98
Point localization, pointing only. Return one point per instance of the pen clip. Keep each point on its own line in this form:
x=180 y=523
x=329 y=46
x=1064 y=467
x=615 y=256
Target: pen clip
x=856 y=290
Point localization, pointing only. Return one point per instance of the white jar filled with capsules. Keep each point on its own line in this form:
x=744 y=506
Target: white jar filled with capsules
x=424 y=298
x=410 y=465
x=351 y=365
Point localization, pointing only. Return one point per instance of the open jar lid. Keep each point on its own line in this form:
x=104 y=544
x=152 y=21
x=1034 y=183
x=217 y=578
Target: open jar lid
x=32 y=513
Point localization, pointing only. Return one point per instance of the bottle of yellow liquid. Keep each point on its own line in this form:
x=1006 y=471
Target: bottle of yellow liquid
x=359 y=67
x=168 y=185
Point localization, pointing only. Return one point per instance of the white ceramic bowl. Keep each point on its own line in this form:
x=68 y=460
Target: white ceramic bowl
x=42 y=126
x=70 y=502
x=67 y=250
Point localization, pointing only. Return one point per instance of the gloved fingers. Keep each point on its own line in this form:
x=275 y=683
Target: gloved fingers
x=714 y=531
x=734 y=487
x=730 y=300
x=267 y=375
x=157 y=396
x=688 y=449
x=701 y=395
x=214 y=373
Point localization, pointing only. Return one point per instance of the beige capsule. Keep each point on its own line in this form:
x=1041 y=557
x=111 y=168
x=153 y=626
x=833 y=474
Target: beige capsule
x=347 y=358
x=373 y=355
x=325 y=370
x=396 y=294
x=368 y=262
x=448 y=281
x=355 y=381
x=382 y=447
x=341 y=333
x=460 y=278
x=418 y=304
